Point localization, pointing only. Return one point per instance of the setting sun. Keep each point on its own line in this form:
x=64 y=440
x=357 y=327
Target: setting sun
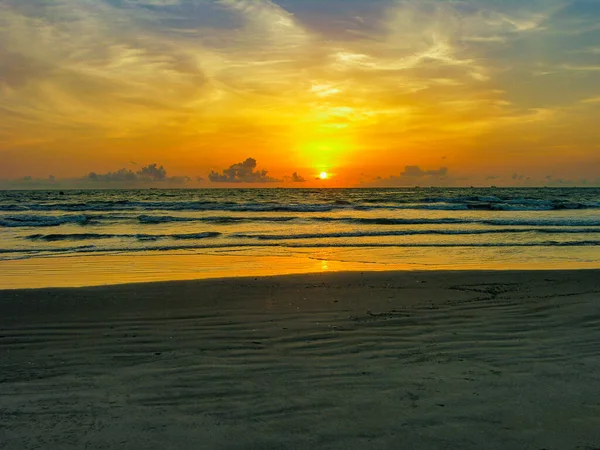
x=323 y=175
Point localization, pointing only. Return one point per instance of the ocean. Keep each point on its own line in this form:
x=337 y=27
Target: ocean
x=427 y=227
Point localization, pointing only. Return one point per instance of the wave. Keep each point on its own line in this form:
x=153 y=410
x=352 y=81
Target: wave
x=205 y=235
x=526 y=204
x=69 y=237
x=224 y=220
x=45 y=251
x=150 y=220
x=43 y=221
x=94 y=219
x=358 y=234
x=432 y=203
x=173 y=206
x=29 y=253
x=140 y=237
x=54 y=237
x=567 y=222
x=36 y=251
x=587 y=243
x=562 y=222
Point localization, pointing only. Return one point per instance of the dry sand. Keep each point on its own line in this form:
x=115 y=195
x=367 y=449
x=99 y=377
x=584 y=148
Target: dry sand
x=406 y=360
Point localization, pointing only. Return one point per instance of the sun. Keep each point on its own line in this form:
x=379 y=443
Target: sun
x=323 y=175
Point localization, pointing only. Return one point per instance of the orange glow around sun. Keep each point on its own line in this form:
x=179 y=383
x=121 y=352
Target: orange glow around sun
x=323 y=175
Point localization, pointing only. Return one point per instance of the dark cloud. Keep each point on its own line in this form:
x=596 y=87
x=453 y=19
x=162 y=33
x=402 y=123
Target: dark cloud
x=148 y=176
x=178 y=180
x=415 y=175
x=243 y=172
x=29 y=182
x=417 y=172
x=122 y=175
x=17 y=70
x=551 y=181
x=295 y=178
x=150 y=173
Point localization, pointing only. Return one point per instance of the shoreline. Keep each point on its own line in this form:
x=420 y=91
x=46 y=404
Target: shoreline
x=116 y=269
x=302 y=277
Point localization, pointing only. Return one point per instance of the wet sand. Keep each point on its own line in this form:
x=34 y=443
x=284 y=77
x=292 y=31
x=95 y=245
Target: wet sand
x=415 y=360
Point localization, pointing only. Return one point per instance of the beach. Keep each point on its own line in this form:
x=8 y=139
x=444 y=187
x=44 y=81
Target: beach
x=377 y=360
x=299 y=225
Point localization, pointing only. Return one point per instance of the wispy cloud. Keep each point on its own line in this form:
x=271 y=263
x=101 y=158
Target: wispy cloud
x=582 y=67
x=591 y=100
x=205 y=75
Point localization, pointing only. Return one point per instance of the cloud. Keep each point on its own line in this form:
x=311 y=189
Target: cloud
x=417 y=172
x=591 y=100
x=517 y=179
x=120 y=176
x=28 y=182
x=242 y=173
x=551 y=181
x=152 y=173
x=295 y=178
x=154 y=2
x=582 y=67
x=415 y=175
x=148 y=174
x=252 y=50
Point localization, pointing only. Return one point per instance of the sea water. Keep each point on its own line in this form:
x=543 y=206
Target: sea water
x=425 y=227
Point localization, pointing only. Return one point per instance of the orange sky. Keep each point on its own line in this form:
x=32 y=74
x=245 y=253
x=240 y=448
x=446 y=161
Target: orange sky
x=492 y=92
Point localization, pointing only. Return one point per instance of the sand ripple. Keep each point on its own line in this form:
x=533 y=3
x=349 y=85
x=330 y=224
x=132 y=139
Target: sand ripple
x=407 y=360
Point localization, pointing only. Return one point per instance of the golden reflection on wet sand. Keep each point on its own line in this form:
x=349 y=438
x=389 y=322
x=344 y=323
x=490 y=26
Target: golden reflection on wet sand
x=78 y=271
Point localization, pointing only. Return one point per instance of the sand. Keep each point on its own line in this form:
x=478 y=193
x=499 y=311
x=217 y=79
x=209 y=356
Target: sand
x=404 y=360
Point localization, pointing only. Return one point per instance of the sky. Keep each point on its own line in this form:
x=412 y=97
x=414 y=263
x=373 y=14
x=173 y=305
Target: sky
x=275 y=92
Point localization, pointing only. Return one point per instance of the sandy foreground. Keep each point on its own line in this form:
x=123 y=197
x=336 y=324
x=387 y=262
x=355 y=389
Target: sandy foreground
x=404 y=360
